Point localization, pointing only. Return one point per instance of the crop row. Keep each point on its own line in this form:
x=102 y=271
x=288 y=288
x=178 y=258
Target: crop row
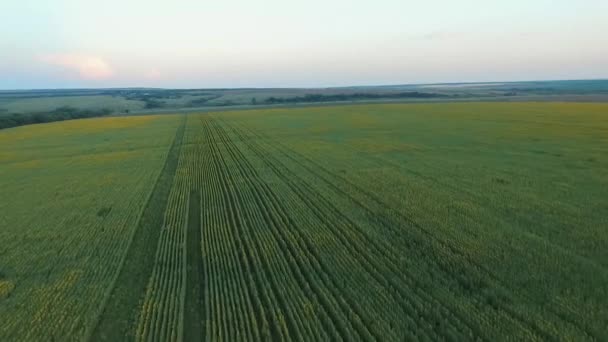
x=72 y=194
x=462 y=291
x=264 y=241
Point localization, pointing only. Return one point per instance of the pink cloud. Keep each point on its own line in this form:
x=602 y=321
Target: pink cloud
x=88 y=67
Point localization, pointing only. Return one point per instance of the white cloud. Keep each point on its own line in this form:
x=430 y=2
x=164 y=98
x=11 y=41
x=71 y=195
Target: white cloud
x=88 y=67
x=152 y=74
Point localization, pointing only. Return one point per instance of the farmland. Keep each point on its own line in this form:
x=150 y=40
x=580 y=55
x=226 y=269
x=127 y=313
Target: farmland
x=447 y=221
x=23 y=107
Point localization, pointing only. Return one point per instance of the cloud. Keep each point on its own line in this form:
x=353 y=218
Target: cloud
x=88 y=67
x=437 y=35
x=152 y=74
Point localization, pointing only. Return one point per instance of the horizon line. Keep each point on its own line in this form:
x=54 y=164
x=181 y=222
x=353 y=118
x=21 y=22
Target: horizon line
x=319 y=87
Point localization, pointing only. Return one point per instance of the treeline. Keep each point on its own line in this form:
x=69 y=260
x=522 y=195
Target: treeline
x=350 y=97
x=152 y=98
x=59 y=114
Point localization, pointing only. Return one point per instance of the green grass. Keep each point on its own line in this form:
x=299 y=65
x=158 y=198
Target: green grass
x=467 y=221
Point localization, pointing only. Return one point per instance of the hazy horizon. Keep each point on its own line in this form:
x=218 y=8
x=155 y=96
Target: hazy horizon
x=238 y=44
x=489 y=82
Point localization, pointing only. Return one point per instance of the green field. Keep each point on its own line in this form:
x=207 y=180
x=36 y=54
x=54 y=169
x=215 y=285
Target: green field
x=416 y=222
x=44 y=104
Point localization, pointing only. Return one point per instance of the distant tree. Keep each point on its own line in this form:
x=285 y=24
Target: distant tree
x=153 y=103
x=254 y=101
x=59 y=114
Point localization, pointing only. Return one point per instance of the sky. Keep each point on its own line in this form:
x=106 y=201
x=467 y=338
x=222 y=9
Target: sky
x=297 y=43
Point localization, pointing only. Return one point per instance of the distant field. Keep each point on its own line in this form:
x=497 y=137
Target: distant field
x=456 y=221
x=123 y=101
x=42 y=104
